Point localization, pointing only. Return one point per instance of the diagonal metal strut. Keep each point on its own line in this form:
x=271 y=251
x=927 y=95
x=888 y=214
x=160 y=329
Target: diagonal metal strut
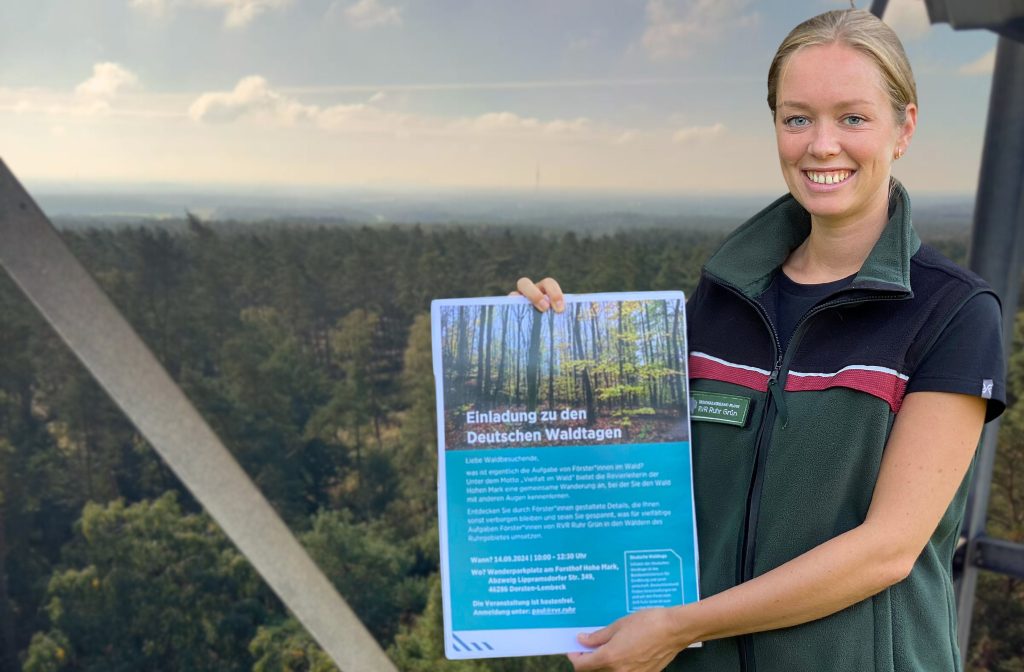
x=40 y=263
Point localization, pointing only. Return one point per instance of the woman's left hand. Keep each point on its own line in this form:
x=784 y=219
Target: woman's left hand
x=645 y=641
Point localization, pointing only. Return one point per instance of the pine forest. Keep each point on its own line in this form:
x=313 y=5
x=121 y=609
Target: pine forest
x=307 y=349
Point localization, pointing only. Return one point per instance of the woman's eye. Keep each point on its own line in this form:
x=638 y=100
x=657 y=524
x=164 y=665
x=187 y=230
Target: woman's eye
x=854 y=120
x=796 y=122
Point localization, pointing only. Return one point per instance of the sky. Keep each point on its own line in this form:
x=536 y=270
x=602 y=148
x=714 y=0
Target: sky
x=663 y=96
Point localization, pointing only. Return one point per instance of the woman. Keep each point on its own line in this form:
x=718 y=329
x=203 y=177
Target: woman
x=827 y=524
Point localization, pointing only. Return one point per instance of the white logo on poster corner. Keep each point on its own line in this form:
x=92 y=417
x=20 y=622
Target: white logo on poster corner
x=986 y=388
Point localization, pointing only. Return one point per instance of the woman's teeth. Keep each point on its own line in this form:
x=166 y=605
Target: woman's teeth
x=828 y=178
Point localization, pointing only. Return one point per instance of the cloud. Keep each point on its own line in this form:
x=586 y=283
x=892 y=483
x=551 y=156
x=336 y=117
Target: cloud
x=241 y=12
x=585 y=41
x=367 y=13
x=505 y=123
x=674 y=27
x=154 y=7
x=237 y=13
x=626 y=137
x=696 y=133
x=909 y=18
x=251 y=98
x=106 y=81
x=982 y=66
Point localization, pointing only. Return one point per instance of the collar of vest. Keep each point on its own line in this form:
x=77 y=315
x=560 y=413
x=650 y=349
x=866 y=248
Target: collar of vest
x=753 y=253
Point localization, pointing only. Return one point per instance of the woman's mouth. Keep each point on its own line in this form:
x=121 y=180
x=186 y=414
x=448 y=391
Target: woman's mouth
x=824 y=179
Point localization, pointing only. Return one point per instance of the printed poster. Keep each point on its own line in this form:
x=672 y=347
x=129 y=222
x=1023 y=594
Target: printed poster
x=564 y=479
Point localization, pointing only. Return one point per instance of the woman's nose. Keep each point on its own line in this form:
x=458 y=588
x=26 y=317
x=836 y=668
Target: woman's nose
x=824 y=142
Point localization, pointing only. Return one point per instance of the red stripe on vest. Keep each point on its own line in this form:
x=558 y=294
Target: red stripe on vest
x=886 y=386
x=712 y=370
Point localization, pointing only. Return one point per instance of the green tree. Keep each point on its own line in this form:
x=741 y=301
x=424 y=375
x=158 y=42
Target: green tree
x=268 y=393
x=372 y=568
x=147 y=587
x=414 y=513
x=287 y=647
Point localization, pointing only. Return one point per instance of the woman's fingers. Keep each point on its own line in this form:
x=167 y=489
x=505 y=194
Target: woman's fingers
x=551 y=287
x=592 y=660
x=532 y=292
x=597 y=638
x=542 y=295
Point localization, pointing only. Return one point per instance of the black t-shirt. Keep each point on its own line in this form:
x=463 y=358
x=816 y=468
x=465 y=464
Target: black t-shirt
x=967 y=358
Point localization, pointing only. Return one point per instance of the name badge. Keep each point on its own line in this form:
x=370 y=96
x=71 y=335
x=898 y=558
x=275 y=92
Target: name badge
x=714 y=407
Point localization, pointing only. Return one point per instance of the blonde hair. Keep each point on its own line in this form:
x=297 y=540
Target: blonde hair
x=858 y=30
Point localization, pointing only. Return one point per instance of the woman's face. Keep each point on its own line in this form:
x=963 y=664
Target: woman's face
x=837 y=133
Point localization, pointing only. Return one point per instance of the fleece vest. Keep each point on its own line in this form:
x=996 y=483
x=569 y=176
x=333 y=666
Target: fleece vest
x=802 y=468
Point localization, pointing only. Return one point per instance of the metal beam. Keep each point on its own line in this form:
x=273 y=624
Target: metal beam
x=997 y=239
x=999 y=555
x=40 y=263
x=1005 y=17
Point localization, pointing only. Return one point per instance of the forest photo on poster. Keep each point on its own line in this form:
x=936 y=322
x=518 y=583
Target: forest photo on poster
x=604 y=371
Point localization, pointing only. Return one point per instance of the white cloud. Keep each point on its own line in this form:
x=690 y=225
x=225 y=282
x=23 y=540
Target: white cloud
x=626 y=137
x=251 y=98
x=237 y=13
x=982 y=66
x=106 y=81
x=695 y=133
x=585 y=42
x=505 y=123
x=674 y=27
x=909 y=18
x=155 y=7
x=241 y=12
x=368 y=13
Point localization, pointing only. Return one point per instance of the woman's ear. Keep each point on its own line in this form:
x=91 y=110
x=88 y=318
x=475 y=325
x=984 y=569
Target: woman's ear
x=907 y=130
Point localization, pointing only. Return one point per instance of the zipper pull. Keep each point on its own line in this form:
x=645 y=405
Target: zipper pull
x=777 y=393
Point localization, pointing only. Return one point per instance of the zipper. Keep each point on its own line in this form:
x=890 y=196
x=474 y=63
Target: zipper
x=774 y=401
x=760 y=450
x=777 y=382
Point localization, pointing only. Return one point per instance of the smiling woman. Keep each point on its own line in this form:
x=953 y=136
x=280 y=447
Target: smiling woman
x=827 y=524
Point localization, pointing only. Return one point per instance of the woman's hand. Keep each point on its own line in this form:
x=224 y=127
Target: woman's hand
x=543 y=295
x=645 y=641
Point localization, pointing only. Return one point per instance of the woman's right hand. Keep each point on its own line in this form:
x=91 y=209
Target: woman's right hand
x=543 y=295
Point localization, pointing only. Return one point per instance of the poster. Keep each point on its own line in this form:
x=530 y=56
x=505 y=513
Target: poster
x=565 y=495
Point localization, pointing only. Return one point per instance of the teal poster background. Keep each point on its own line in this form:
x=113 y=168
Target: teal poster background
x=538 y=537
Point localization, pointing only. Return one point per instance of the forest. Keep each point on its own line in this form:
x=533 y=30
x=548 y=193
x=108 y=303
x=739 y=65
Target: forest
x=307 y=349
x=610 y=367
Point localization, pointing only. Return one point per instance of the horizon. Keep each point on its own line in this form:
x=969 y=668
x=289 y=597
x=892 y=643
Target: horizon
x=565 y=210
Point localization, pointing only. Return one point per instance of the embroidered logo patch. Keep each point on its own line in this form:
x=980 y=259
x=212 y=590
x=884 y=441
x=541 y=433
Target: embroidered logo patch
x=714 y=407
x=986 y=388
